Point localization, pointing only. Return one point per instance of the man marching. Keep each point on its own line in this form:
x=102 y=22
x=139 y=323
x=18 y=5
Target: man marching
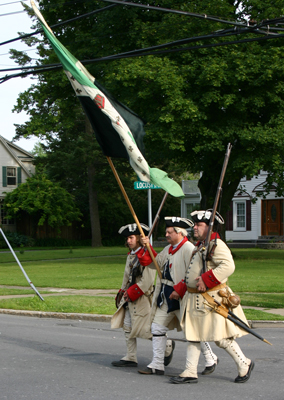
x=134 y=298
x=173 y=262
x=198 y=320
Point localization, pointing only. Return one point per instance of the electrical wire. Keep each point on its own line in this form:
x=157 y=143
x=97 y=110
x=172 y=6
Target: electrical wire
x=239 y=28
x=57 y=25
x=52 y=67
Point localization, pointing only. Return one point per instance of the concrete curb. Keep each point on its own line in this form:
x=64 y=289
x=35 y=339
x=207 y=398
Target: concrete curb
x=266 y=324
x=42 y=314
x=107 y=318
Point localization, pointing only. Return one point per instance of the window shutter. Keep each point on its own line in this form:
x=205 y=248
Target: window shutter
x=248 y=215
x=4 y=176
x=229 y=219
x=19 y=175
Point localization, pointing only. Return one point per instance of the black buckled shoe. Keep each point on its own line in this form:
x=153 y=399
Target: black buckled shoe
x=243 y=379
x=124 y=363
x=151 y=371
x=209 y=370
x=180 y=379
x=168 y=358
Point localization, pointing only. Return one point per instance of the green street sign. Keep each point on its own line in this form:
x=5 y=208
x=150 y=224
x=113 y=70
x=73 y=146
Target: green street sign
x=141 y=185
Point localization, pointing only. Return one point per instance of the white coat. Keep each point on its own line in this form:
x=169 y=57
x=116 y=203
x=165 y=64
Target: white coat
x=199 y=322
x=140 y=309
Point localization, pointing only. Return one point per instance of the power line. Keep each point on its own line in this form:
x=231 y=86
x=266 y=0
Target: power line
x=13 y=2
x=239 y=28
x=12 y=13
x=57 y=25
x=52 y=67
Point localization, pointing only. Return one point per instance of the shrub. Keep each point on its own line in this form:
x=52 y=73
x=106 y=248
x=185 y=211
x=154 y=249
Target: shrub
x=16 y=240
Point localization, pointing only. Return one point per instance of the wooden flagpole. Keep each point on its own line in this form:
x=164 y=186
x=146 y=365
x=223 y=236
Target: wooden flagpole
x=133 y=213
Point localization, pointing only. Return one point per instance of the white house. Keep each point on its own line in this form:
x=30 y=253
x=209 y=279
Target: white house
x=246 y=220
x=16 y=166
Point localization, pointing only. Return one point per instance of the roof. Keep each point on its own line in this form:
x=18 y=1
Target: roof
x=10 y=147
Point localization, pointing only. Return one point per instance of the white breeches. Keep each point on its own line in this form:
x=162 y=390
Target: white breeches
x=131 y=344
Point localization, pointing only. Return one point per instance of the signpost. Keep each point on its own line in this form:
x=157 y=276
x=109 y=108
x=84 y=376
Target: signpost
x=141 y=185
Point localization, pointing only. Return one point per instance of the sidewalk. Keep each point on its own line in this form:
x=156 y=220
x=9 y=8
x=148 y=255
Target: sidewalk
x=106 y=318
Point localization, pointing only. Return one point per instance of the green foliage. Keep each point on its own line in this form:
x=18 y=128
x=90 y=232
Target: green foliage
x=194 y=102
x=16 y=240
x=44 y=200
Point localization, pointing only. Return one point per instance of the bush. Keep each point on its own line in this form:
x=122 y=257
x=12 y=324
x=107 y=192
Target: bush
x=16 y=240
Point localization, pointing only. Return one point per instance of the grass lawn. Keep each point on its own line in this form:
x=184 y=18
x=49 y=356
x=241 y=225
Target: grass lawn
x=257 y=315
x=57 y=254
x=258 y=279
x=63 y=304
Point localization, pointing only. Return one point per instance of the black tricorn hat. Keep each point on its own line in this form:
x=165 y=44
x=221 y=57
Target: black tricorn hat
x=205 y=215
x=179 y=222
x=132 y=229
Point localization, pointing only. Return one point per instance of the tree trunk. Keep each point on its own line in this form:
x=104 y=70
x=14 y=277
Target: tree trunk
x=93 y=198
x=94 y=209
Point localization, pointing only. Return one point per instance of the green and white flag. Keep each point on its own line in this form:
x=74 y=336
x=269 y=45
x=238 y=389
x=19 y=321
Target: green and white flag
x=118 y=130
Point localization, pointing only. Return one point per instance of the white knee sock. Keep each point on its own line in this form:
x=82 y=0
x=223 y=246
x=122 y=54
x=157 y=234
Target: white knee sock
x=192 y=357
x=210 y=357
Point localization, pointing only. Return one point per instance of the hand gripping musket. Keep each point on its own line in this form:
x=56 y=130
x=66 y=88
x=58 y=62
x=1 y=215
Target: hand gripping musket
x=120 y=294
x=205 y=247
x=212 y=303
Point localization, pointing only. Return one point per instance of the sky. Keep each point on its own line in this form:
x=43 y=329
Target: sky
x=9 y=91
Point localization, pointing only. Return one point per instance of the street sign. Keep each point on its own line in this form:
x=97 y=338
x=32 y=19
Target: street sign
x=140 y=185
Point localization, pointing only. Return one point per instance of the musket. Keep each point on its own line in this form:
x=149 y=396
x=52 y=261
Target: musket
x=220 y=309
x=205 y=247
x=158 y=214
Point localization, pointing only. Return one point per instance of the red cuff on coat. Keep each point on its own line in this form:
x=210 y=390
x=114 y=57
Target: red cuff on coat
x=180 y=288
x=209 y=279
x=144 y=256
x=134 y=292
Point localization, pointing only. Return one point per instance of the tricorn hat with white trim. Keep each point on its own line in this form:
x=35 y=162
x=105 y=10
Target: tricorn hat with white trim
x=179 y=222
x=132 y=229
x=204 y=216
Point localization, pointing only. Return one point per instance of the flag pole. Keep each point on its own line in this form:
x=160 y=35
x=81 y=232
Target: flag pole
x=24 y=272
x=133 y=213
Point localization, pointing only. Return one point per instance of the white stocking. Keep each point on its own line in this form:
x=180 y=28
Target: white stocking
x=210 y=357
x=192 y=357
x=234 y=350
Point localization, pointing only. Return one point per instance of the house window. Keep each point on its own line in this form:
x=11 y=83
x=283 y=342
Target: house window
x=239 y=215
x=190 y=207
x=11 y=176
x=4 y=220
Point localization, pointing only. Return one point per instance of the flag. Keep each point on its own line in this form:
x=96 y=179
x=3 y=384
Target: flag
x=119 y=130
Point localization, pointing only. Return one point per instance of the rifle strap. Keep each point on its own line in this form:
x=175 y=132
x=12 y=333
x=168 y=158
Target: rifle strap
x=219 y=309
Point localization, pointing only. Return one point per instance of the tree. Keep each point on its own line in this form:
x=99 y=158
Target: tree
x=194 y=102
x=44 y=201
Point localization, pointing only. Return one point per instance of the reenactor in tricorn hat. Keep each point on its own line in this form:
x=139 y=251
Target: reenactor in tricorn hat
x=173 y=261
x=134 y=298
x=200 y=289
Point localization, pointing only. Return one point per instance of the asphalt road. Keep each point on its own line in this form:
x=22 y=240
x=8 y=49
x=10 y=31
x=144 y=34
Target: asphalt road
x=54 y=359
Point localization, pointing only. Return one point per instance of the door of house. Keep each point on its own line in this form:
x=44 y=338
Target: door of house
x=271 y=218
